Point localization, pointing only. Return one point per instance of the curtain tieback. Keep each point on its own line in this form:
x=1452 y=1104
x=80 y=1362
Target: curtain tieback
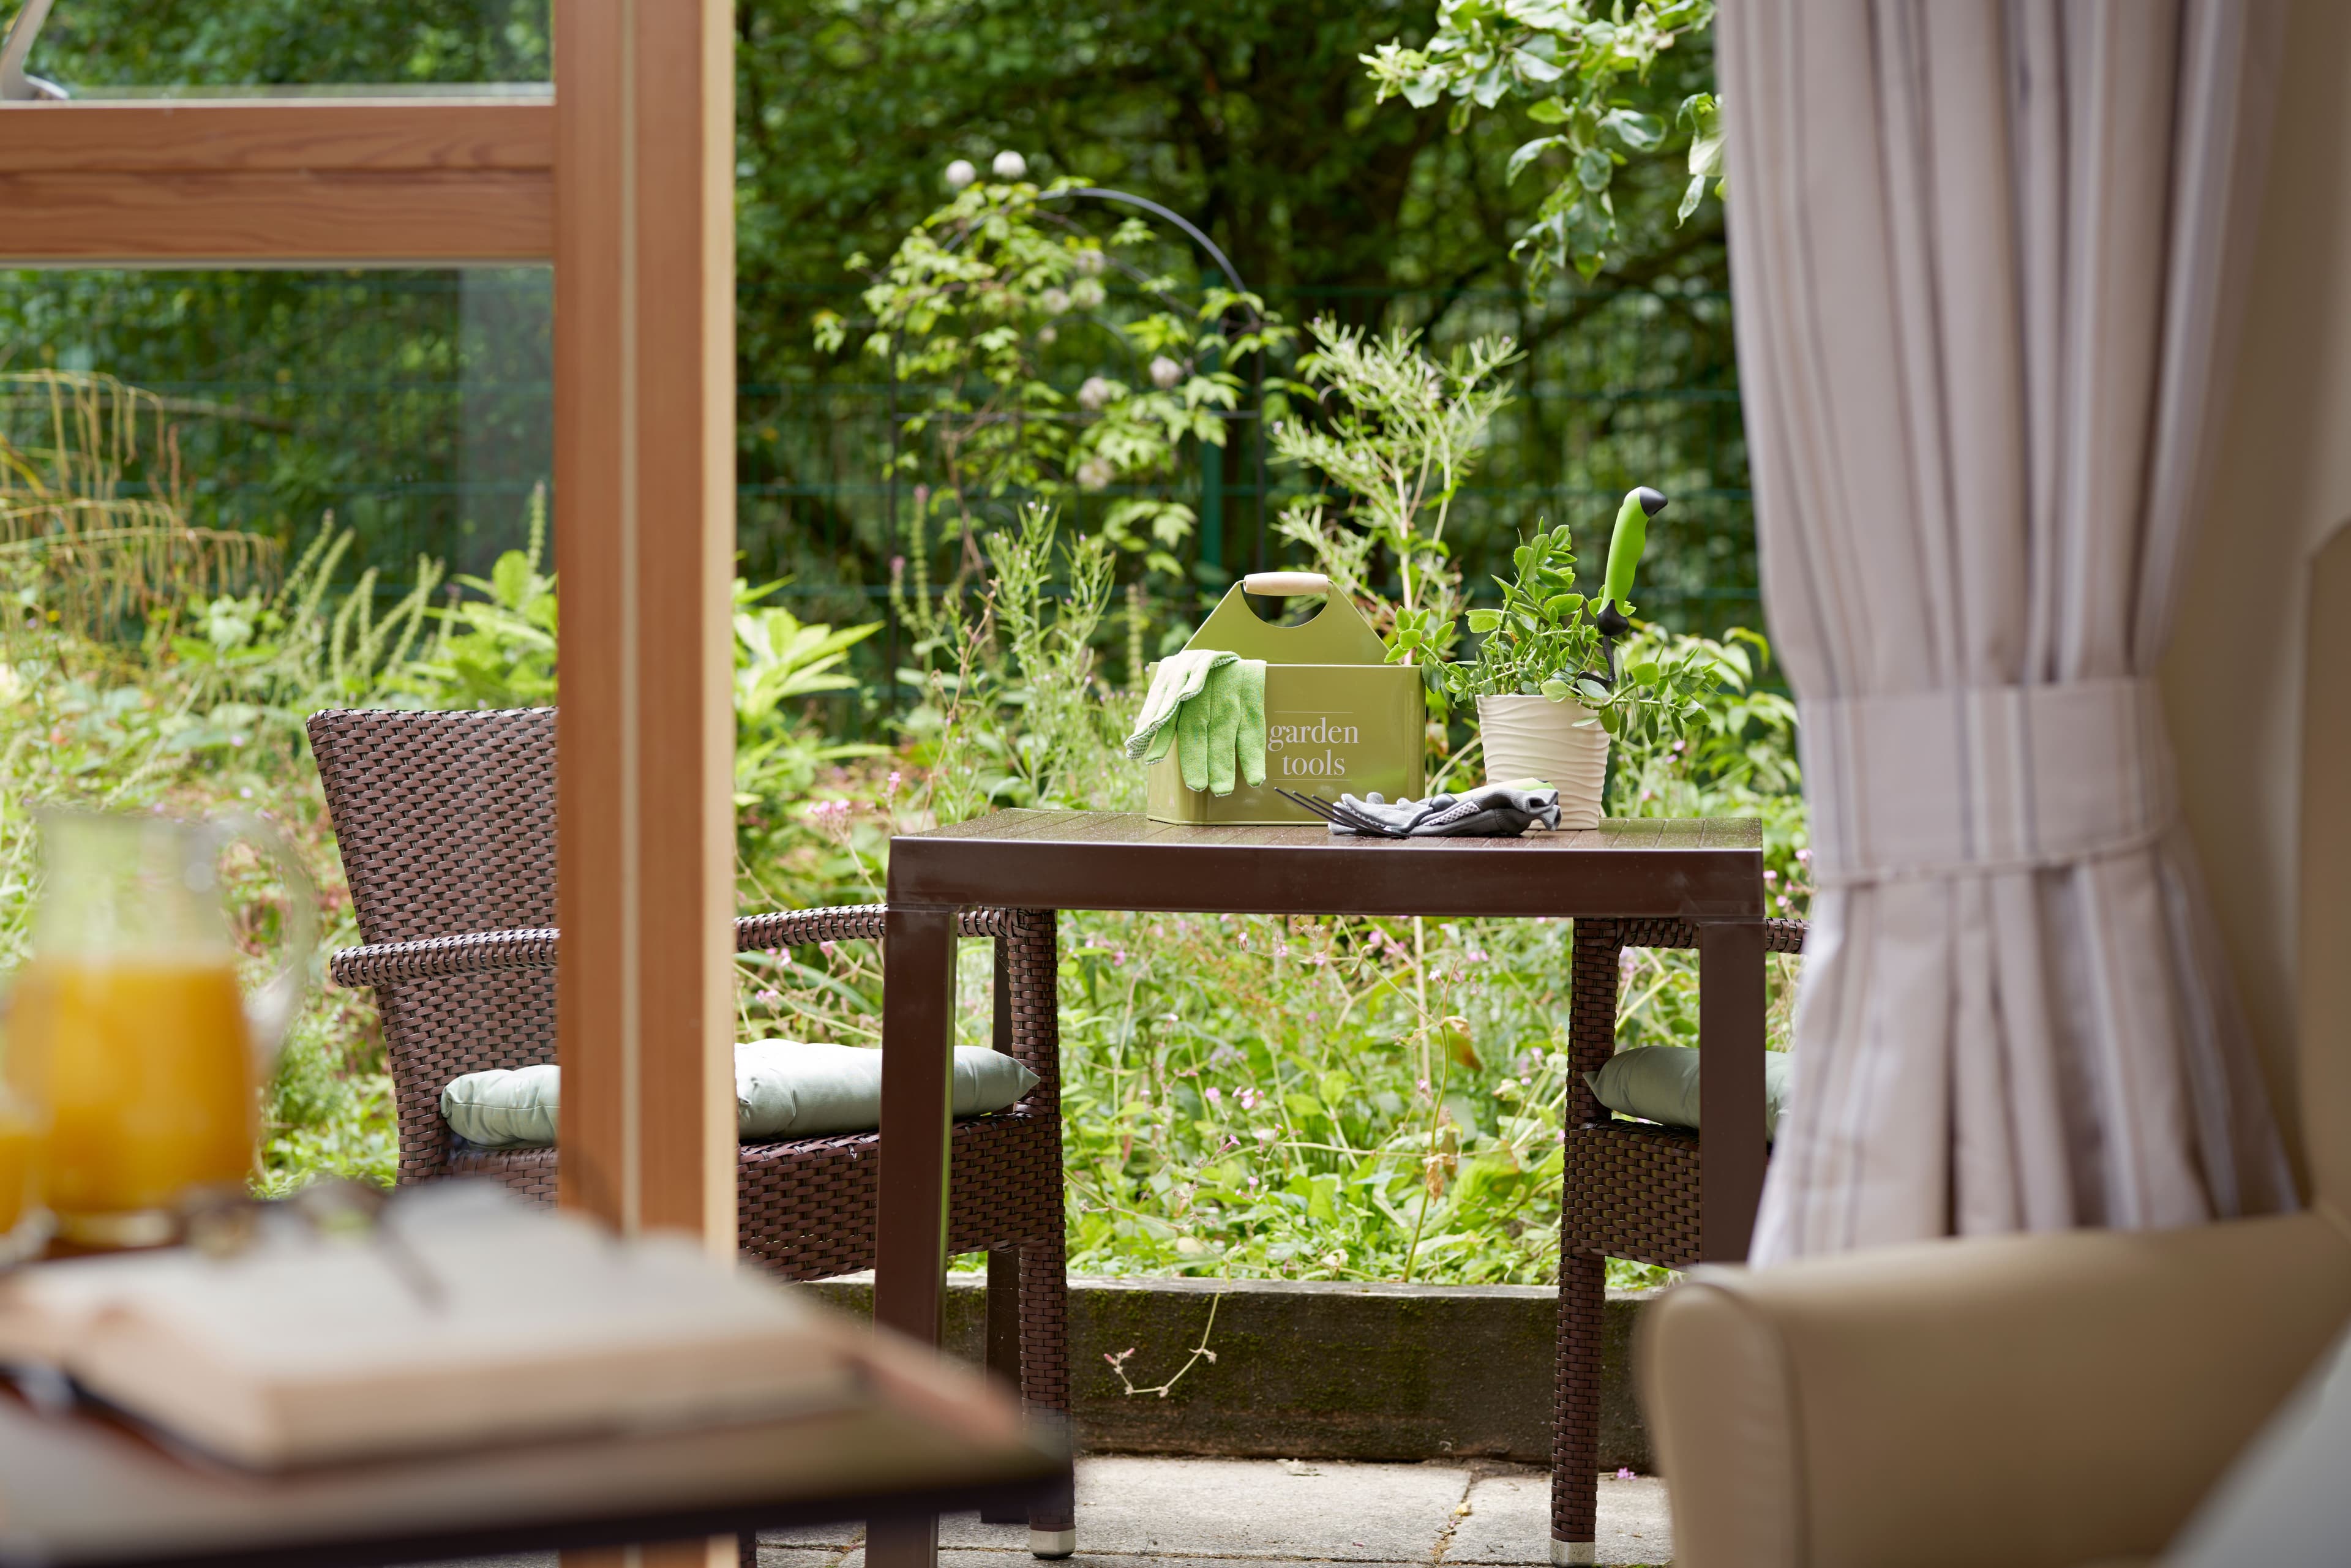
x=1983 y=778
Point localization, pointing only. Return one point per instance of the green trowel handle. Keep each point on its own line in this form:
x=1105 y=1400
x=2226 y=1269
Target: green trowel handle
x=1625 y=547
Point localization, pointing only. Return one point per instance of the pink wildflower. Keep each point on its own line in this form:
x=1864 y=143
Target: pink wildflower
x=1214 y=1093
x=828 y=948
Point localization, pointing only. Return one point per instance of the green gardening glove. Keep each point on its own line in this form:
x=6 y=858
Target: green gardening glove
x=1221 y=733
x=1192 y=735
x=1248 y=681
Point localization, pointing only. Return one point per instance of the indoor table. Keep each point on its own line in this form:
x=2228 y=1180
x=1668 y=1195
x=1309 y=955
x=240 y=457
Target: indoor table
x=1707 y=872
x=84 y=1490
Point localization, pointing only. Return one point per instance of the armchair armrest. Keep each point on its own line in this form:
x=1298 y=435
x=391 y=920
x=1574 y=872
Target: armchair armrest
x=489 y=952
x=2043 y=1400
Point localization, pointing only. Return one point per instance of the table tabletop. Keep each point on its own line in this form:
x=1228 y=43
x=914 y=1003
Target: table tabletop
x=1636 y=868
x=84 y=1489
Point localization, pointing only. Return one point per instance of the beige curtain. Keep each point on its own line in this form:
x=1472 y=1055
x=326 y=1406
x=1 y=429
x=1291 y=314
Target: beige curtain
x=1985 y=258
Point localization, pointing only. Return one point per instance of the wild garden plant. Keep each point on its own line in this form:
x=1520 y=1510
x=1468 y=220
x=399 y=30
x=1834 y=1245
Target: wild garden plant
x=1394 y=431
x=1023 y=715
x=1542 y=641
x=972 y=314
x=95 y=533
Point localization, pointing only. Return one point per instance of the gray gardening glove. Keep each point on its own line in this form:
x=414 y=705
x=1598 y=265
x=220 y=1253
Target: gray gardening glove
x=1489 y=811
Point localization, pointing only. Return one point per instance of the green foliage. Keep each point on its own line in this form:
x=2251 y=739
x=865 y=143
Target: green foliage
x=191 y=43
x=1738 y=759
x=973 y=303
x=1395 y=431
x=1572 y=64
x=1542 y=641
x=499 y=651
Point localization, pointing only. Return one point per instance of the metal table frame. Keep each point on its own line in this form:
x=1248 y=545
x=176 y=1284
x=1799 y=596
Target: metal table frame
x=1707 y=872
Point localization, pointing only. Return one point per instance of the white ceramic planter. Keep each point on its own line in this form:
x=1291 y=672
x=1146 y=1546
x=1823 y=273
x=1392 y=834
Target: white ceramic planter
x=1560 y=743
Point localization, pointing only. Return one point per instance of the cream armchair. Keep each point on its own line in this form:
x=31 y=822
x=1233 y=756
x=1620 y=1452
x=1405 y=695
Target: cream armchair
x=2037 y=1401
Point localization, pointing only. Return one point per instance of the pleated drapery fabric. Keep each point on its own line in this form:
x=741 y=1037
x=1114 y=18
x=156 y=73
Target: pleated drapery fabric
x=1983 y=257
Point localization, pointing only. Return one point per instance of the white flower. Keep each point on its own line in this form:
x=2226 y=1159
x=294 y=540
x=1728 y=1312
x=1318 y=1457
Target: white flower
x=1095 y=392
x=1046 y=334
x=1055 y=300
x=1094 y=473
x=1166 y=372
x=1091 y=261
x=1086 y=293
x=961 y=173
x=1010 y=165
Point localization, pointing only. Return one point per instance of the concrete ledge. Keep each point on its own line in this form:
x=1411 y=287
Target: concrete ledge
x=1315 y=1369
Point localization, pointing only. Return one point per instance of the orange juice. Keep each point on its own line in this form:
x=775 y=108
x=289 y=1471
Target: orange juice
x=146 y=1070
x=20 y=1165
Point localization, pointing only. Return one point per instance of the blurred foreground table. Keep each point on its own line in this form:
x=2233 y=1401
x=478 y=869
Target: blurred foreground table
x=1709 y=873
x=85 y=1490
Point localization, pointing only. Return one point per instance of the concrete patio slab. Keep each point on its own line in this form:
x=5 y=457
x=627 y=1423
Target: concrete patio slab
x=1508 y=1522
x=1138 y=1512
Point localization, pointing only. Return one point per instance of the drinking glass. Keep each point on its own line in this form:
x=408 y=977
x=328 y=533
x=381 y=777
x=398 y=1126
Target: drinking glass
x=129 y=1034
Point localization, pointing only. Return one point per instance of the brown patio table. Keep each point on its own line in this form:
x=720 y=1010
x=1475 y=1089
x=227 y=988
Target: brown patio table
x=1709 y=873
x=87 y=1491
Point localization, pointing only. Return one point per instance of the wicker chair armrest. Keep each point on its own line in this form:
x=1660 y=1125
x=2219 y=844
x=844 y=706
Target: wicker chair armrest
x=1779 y=935
x=490 y=952
x=474 y=953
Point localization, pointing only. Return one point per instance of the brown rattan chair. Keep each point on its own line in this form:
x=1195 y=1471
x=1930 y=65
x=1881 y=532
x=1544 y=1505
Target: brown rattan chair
x=446 y=826
x=1631 y=1190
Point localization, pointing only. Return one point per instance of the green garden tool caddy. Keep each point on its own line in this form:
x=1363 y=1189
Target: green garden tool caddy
x=1338 y=718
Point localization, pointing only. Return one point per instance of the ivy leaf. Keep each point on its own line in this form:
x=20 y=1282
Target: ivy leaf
x=1563 y=605
x=1641 y=132
x=1594 y=168
x=1559 y=690
x=1643 y=675
x=1701 y=113
x=1484 y=621
x=1532 y=67
x=1547 y=111
x=1530 y=152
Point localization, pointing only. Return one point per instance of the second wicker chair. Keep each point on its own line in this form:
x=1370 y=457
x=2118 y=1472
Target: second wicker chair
x=446 y=826
x=1630 y=1189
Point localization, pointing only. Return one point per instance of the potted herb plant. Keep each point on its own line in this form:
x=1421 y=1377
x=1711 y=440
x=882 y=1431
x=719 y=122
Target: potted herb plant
x=1551 y=695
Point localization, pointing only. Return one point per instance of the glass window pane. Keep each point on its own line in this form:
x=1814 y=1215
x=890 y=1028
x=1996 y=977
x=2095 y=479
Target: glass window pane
x=414 y=408
x=103 y=48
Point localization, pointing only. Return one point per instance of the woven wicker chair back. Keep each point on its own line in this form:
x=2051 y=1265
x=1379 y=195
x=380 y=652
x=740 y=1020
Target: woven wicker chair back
x=447 y=820
x=447 y=825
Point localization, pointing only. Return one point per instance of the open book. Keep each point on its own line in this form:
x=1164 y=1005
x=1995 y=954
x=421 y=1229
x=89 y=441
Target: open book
x=479 y=1322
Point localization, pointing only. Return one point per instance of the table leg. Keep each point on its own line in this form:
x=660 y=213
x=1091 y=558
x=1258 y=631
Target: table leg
x=1730 y=1086
x=910 y=1248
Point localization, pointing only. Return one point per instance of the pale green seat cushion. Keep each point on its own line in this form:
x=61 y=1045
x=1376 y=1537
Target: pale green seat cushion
x=783 y=1089
x=1659 y=1083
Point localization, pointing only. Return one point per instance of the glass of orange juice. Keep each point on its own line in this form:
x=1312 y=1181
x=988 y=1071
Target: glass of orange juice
x=128 y=1029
